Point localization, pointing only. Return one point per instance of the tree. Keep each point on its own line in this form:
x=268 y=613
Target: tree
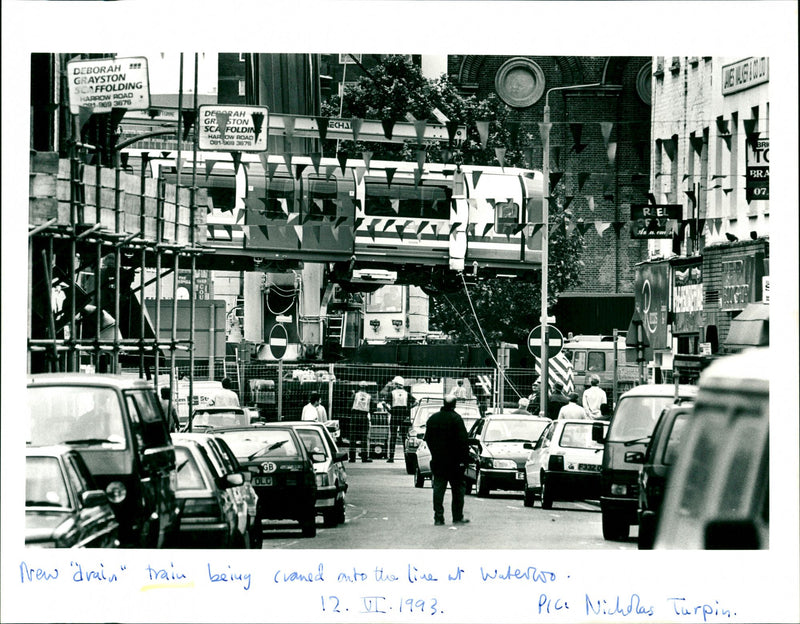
x=506 y=309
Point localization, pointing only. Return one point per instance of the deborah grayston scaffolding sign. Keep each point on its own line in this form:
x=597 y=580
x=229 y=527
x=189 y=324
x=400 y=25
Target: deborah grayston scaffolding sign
x=233 y=128
x=101 y=85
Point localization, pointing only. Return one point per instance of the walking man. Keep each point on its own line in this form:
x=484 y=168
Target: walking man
x=310 y=410
x=446 y=436
x=595 y=400
x=400 y=420
x=359 y=422
x=572 y=409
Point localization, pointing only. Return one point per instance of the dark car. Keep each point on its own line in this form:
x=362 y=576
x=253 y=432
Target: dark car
x=630 y=429
x=120 y=431
x=282 y=472
x=208 y=508
x=661 y=454
x=63 y=507
x=497 y=451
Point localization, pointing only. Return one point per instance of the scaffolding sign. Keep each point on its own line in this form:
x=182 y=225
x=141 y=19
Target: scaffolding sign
x=101 y=85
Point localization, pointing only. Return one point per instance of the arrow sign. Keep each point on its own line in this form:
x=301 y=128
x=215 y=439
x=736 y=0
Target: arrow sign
x=278 y=341
x=555 y=340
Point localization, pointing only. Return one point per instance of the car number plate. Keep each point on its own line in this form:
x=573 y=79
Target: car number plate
x=262 y=481
x=589 y=467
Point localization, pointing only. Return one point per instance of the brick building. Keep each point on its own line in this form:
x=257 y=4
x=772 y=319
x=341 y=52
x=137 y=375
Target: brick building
x=601 y=187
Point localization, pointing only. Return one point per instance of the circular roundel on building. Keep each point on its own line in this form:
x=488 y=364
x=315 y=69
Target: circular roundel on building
x=519 y=82
x=644 y=82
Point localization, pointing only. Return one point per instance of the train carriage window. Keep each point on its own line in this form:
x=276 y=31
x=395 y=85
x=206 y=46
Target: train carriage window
x=578 y=360
x=275 y=192
x=221 y=186
x=424 y=200
x=506 y=216
x=324 y=195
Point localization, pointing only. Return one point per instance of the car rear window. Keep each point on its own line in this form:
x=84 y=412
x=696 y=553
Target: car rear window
x=636 y=417
x=313 y=442
x=44 y=483
x=189 y=475
x=578 y=435
x=261 y=443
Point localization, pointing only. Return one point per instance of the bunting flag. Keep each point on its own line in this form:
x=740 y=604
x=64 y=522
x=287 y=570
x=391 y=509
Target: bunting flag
x=421 y=156
x=395 y=203
x=84 y=114
x=419 y=126
x=692 y=198
x=399 y=229
x=650 y=197
x=316 y=159
x=339 y=221
x=750 y=127
x=483 y=132
x=605 y=129
x=316 y=230
x=567 y=201
x=476 y=175
x=517 y=228
x=583 y=226
x=329 y=171
x=258 y=123
x=298 y=230
x=590 y=200
x=536 y=227
x=454 y=227
x=618 y=225
x=388 y=127
x=165 y=154
x=322 y=127
x=290 y=219
x=601 y=226
x=697 y=144
x=452 y=129
x=189 y=116
x=237 y=160
x=727 y=190
x=670 y=147
x=435 y=229
x=284 y=204
x=500 y=154
x=582 y=177
x=371 y=229
x=287 y=158
x=390 y=171
x=210 y=166
x=367 y=156
x=264 y=231
x=299 y=170
x=335 y=234
x=355 y=124
x=555 y=178
x=264 y=159
x=360 y=171
x=422 y=226
x=222 y=122
x=417 y=176
x=388 y=223
x=342 y=157
x=612 y=154
x=544 y=131
x=471 y=230
x=486 y=229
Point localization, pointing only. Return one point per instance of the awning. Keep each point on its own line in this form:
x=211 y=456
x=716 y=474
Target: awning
x=750 y=328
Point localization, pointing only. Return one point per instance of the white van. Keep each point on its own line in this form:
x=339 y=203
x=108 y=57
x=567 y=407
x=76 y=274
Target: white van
x=718 y=493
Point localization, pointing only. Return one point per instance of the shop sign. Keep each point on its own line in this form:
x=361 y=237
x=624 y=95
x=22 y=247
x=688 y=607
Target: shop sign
x=744 y=74
x=652 y=302
x=739 y=280
x=101 y=85
x=757 y=163
x=687 y=298
x=655 y=220
x=233 y=128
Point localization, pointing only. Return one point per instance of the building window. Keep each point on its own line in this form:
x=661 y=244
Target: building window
x=242 y=89
x=347 y=59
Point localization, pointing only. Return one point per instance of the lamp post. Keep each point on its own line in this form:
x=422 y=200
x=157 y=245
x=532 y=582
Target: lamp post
x=544 y=387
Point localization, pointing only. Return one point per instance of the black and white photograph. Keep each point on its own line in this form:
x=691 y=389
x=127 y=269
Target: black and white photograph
x=454 y=336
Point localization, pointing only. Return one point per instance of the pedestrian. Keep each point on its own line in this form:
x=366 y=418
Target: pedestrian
x=460 y=392
x=359 y=422
x=595 y=401
x=310 y=411
x=556 y=401
x=172 y=414
x=401 y=401
x=446 y=437
x=572 y=409
x=226 y=397
x=522 y=407
x=322 y=412
x=533 y=398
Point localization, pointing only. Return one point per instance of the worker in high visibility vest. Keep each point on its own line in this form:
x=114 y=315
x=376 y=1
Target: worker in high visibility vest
x=401 y=403
x=359 y=422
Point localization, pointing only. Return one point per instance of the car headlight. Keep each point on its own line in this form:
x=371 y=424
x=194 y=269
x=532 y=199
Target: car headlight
x=322 y=479
x=507 y=464
x=116 y=492
x=618 y=489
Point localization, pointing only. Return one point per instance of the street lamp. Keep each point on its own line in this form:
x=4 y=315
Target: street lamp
x=544 y=386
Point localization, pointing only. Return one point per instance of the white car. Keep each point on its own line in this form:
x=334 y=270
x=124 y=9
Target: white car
x=422 y=471
x=564 y=463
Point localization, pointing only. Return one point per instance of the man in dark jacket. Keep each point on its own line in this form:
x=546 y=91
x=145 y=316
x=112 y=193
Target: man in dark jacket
x=556 y=401
x=446 y=437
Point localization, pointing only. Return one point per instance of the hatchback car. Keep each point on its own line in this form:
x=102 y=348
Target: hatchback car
x=657 y=462
x=214 y=417
x=282 y=472
x=423 y=464
x=208 y=510
x=564 y=464
x=498 y=453
x=423 y=410
x=63 y=506
x=331 y=472
x=119 y=428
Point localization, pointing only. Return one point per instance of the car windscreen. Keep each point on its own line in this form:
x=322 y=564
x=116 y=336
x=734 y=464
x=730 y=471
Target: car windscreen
x=80 y=415
x=189 y=475
x=44 y=483
x=636 y=417
x=513 y=430
x=313 y=441
x=578 y=435
x=216 y=418
x=253 y=444
x=423 y=413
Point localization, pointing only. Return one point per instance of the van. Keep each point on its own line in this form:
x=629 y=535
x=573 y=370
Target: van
x=627 y=438
x=120 y=431
x=594 y=355
x=717 y=496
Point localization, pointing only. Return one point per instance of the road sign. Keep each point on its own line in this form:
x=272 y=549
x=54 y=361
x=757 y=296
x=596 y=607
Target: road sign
x=278 y=341
x=233 y=128
x=555 y=340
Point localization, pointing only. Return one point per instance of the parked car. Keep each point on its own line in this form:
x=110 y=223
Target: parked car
x=247 y=489
x=63 y=506
x=717 y=496
x=282 y=470
x=119 y=429
x=420 y=413
x=564 y=464
x=498 y=453
x=630 y=429
x=208 y=509
x=217 y=450
x=423 y=463
x=657 y=461
x=213 y=417
x=330 y=472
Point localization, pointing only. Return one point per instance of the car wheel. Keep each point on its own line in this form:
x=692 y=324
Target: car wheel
x=256 y=536
x=309 y=524
x=546 y=494
x=340 y=510
x=647 y=533
x=481 y=485
x=614 y=528
x=329 y=519
x=528 y=496
x=419 y=480
x=410 y=463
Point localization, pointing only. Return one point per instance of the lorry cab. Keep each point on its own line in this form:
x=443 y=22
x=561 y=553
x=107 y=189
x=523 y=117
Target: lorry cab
x=595 y=355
